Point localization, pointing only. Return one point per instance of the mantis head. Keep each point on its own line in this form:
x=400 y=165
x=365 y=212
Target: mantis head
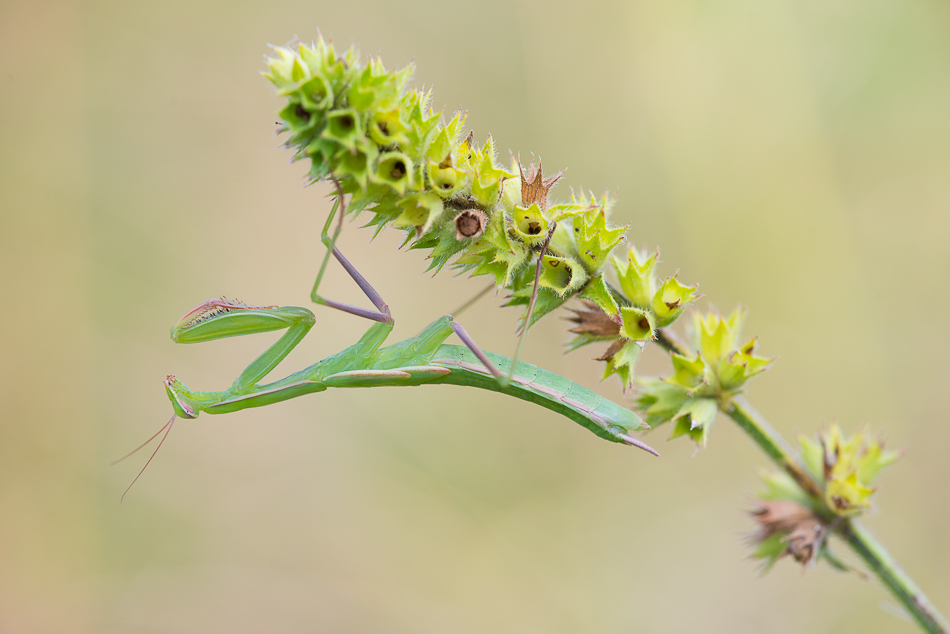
x=185 y=406
x=181 y=398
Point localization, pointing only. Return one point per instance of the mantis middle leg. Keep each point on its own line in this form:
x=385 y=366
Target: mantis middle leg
x=382 y=313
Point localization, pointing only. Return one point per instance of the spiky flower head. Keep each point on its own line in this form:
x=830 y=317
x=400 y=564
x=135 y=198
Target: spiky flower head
x=361 y=126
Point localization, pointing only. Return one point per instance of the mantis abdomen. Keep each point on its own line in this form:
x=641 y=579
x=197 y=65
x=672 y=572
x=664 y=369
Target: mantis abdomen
x=531 y=383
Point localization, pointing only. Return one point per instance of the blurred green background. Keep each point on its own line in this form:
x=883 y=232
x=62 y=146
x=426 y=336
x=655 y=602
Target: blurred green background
x=792 y=156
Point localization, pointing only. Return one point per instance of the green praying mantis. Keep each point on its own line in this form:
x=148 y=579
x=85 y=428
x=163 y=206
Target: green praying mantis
x=421 y=360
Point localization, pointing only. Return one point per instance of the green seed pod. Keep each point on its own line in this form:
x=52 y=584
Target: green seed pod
x=621 y=359
x=387 y=128
x=530 y=225
x=420 y=210
x=357 y=162
x=595 y=240
x=316 y=94
x=694 y=418
x=670 y=300
x=488 y=178
x=344 y=127
x=396 y=170
x=298 y=119
x=562 y=275
x=636 y=276
x=445 y=179
x=637 y=325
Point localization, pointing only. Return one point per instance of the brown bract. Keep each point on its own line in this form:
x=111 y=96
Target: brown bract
x=591 y=320
x=804 y=531
x=534 y=187
x=612 y=350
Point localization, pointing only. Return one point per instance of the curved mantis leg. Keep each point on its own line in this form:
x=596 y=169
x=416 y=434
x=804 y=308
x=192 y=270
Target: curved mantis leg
x=219 y=318
x=381 y=314
x=327 y=240
x=466 y=338
x=222 y=317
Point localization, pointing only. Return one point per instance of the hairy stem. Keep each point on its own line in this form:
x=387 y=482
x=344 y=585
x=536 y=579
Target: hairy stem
x=874 y=555
x=892 y=576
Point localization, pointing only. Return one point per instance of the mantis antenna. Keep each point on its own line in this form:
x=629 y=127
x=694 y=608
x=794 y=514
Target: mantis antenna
x=165 y=428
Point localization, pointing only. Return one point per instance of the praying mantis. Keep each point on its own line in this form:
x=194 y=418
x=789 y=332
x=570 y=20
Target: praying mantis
x=421 y=360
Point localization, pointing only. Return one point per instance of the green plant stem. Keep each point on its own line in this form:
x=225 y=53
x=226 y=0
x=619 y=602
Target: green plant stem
x=874 y=555
x=892 y=576
x=762 y=433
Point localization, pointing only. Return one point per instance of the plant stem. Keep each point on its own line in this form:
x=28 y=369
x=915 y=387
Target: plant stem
x=762 y=433
x=861 y=541
x=892 y=576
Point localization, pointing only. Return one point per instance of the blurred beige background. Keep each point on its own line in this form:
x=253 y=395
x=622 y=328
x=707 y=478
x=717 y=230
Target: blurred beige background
x=792 y=156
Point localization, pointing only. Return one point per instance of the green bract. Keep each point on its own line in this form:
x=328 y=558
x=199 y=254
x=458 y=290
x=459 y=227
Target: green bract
x=363 y=128
x=846 y=467
x=702 y=381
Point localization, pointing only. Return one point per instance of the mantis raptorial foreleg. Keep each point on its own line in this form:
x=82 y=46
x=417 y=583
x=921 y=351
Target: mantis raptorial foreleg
x=234 y=318
x=219 y=318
